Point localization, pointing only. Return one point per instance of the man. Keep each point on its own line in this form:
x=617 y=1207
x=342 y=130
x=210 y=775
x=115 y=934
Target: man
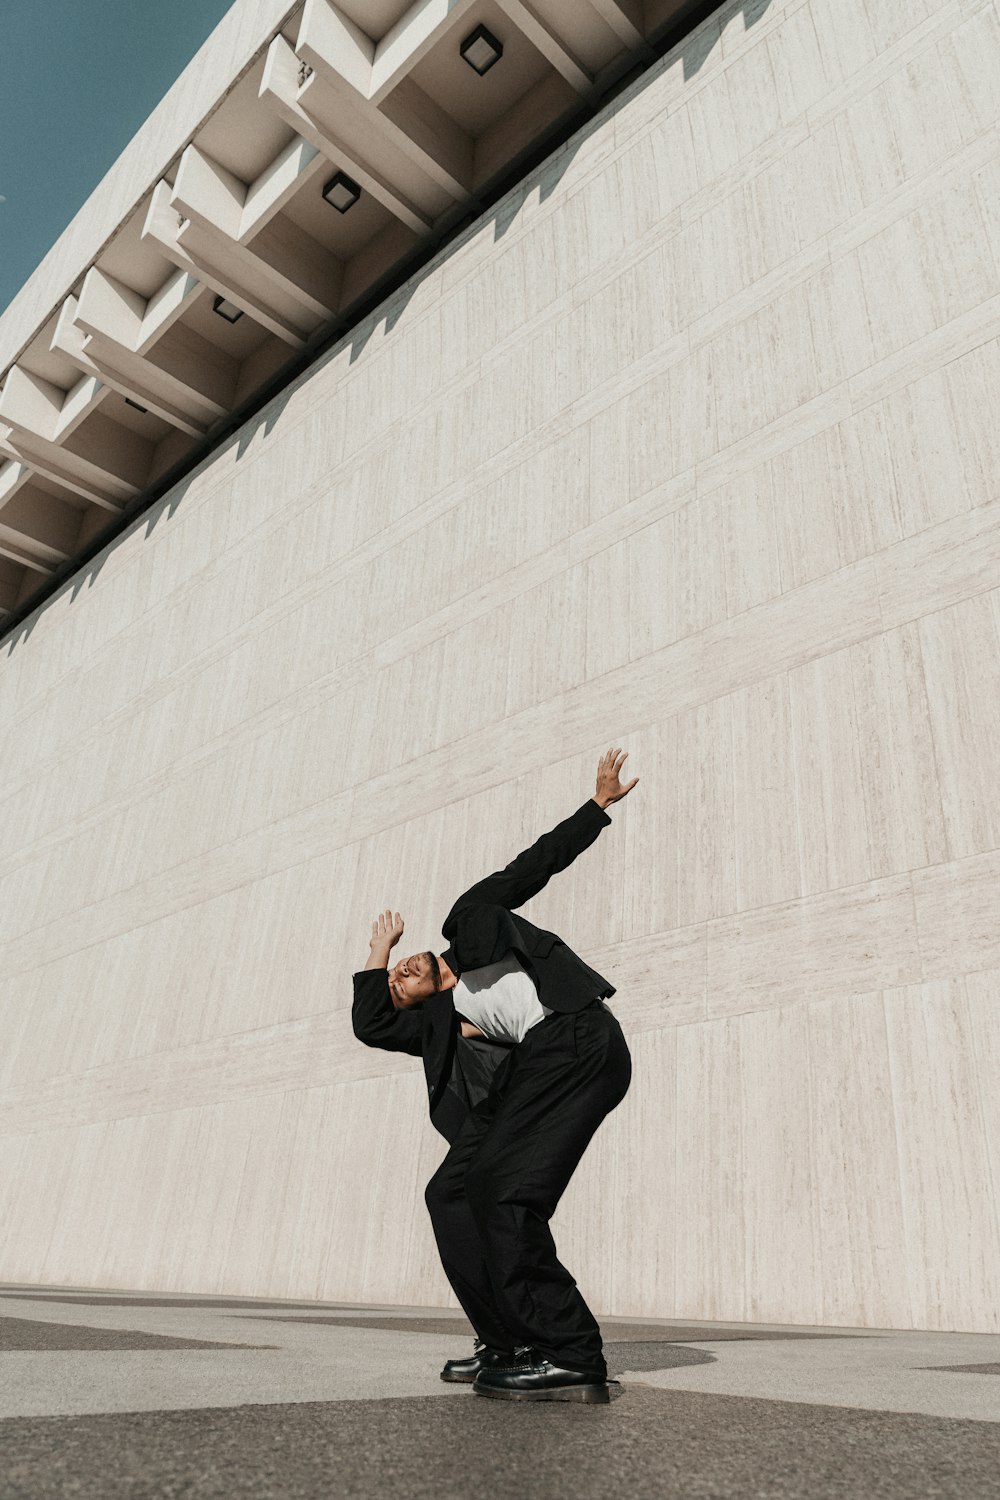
x=523 y=1060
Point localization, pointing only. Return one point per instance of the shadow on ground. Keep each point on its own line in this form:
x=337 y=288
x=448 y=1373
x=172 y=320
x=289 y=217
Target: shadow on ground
x=649 y=1445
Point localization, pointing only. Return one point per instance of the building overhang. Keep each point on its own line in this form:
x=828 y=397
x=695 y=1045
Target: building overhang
x=316 y=150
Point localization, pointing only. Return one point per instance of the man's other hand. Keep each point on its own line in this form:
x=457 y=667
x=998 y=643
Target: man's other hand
x=386 y=932
x=609 y=787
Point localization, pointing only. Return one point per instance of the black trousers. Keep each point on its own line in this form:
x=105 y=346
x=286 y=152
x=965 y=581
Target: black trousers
x=491 y=1199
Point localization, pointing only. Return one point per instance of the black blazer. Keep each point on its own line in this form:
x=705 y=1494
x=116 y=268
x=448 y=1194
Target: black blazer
x=481 y=928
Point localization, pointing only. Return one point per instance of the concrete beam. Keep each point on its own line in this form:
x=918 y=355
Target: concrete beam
x=115 y=312
x=412 y=37
x=412 y=126
x=11 y=546
x=90 y=480
x=200 y=89
x=625 y=18
x=156 y=389
x=136 y=379
x=327 y=39
x=552 y=47
x=40 y=524
x=425 y=133
x=243 y=284
x=268 y=194
x=206 y=190
x=30 y=404
x=11 y=578
x=122 y=329
x=296 y=267
x=26 y=401
x=13 y=477
x=311 y=115
x=44 y=429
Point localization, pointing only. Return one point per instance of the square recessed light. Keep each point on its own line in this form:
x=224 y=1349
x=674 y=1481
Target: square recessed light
x=342 y=192
x=481 y=49
x=227 y=309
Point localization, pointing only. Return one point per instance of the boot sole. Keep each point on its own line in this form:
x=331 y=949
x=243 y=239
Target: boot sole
x=462 y=1379
x=591 y=1395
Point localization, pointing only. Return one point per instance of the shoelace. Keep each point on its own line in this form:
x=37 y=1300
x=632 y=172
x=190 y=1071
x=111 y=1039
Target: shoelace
x=525 y=1350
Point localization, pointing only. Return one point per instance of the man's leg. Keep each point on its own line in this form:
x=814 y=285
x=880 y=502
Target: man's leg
x=566 y=1076
x=459 y=1241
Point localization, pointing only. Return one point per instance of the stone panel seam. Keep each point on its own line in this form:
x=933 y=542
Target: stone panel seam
x=246 y=540
x=161 y=876
x=164 y=877
x=270 y=1089
x=634 y=671
x=909 y=48
x=881 y=379
x=894 y=359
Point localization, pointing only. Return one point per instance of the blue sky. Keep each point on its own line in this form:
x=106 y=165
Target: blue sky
x=77 y=79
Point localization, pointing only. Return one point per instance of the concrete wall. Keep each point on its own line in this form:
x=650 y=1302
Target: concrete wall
x=690 y=448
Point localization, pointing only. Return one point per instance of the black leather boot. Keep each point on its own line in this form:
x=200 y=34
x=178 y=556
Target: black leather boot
x=484 y=1358
x=538 y=1379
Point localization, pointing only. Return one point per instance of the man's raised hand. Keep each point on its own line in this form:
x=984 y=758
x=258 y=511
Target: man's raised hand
x=386 y=933
x=609 y=787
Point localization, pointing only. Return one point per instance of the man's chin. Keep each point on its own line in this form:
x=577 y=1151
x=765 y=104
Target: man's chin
x=410 y=1004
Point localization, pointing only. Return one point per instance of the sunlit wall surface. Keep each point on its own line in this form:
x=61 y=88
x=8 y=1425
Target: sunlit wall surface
x=689 y=447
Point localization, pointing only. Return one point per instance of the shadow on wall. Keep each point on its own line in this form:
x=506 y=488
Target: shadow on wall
x=693 y=52
x=699 y=46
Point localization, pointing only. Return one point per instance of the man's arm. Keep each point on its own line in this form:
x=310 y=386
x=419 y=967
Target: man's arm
x=531 y=870
x=375 y=1019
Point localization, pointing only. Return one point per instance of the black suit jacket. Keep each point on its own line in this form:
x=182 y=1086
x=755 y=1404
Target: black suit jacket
x=480 y=929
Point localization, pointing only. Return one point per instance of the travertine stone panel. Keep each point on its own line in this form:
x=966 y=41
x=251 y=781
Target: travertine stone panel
x=962 y=660
x=947 y=1194
x=956 y=908
x=857 y=1206
x=691 y=447
x=643 y=1243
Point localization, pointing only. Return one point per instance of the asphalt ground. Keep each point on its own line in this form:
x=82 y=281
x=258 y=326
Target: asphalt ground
x=108 y=1395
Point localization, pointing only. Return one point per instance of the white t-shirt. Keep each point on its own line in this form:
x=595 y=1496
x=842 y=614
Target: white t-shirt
x=500 y=999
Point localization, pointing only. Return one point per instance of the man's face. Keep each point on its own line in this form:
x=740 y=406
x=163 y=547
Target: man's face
x=412 y=979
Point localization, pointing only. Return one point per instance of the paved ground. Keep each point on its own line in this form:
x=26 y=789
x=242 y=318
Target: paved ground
x=109 y=1396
